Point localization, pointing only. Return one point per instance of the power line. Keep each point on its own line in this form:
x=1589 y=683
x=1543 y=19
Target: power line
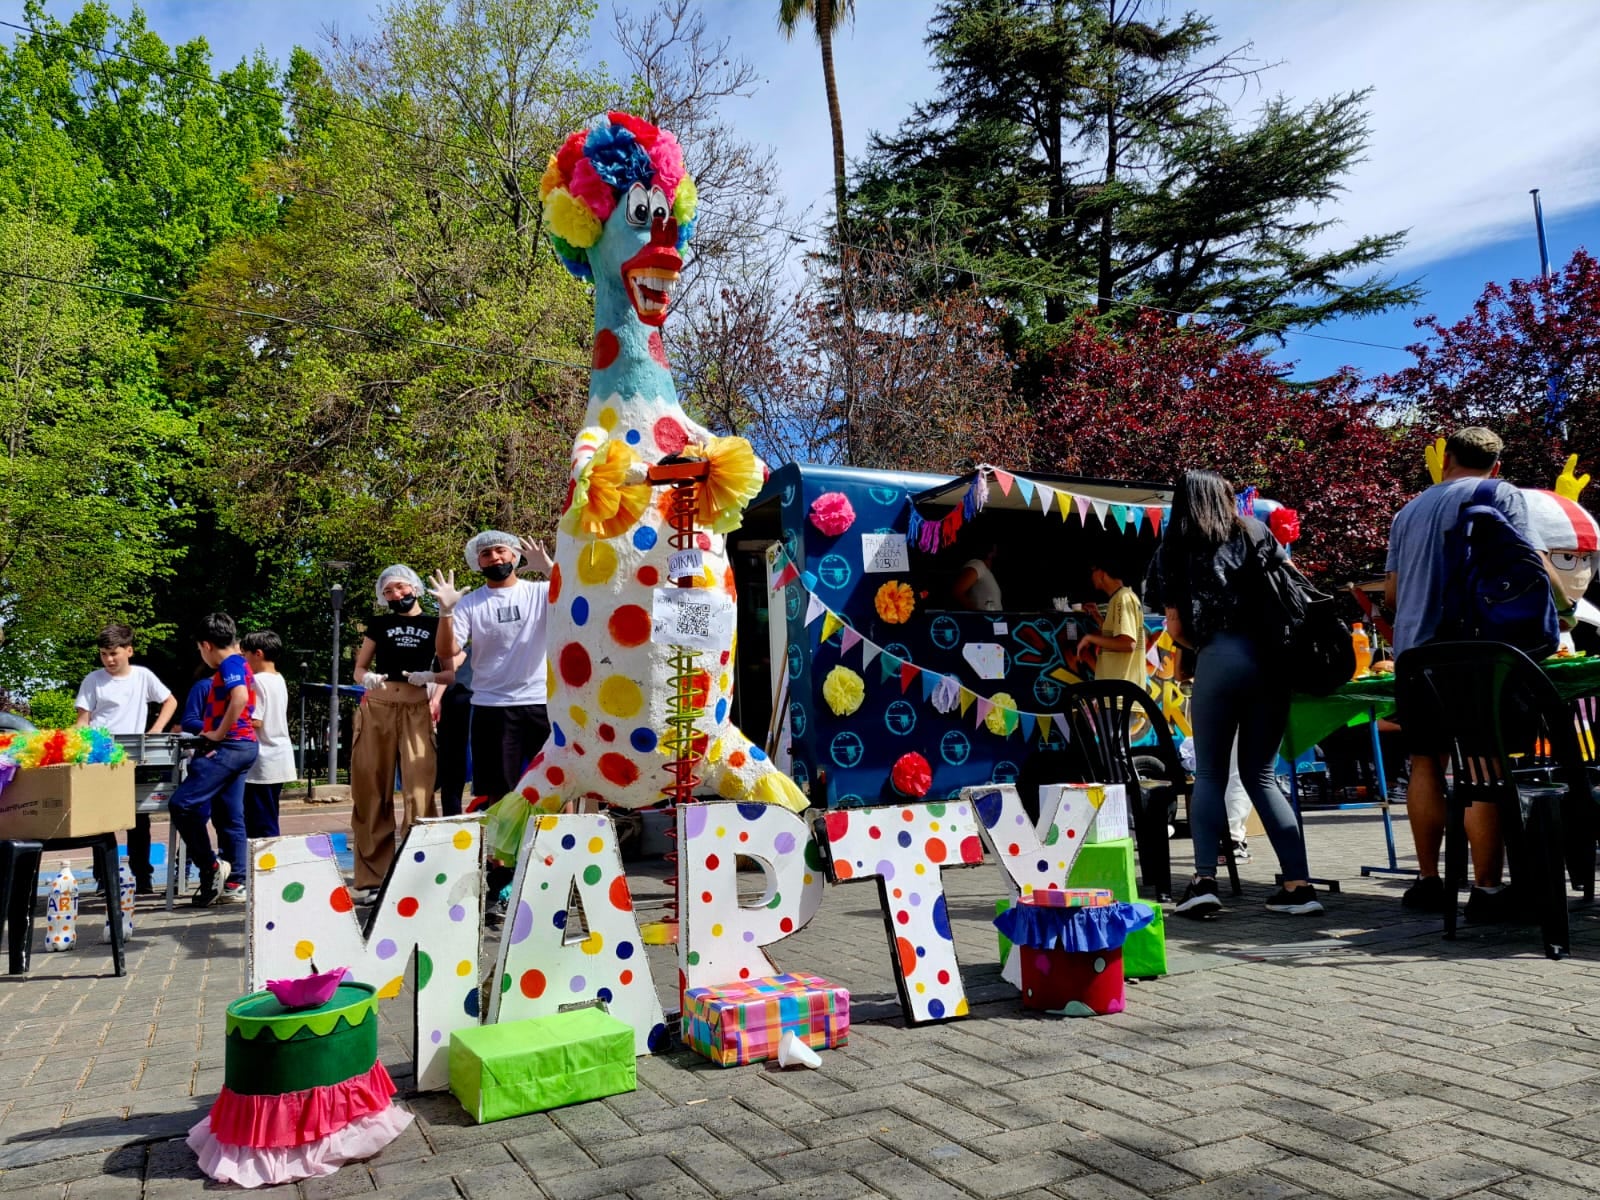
x=333 y=112
x=301 y=322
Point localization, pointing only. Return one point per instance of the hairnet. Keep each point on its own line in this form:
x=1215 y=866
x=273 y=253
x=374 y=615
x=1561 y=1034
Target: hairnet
x=399 y=572
x=490 y=537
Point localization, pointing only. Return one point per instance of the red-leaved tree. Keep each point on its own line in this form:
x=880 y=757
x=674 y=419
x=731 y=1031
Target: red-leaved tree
x=1158 y=398
x=1502 y=364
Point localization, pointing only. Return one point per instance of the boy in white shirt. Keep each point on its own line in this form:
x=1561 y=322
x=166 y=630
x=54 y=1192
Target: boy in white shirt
x=118 y=697
x=274 y=765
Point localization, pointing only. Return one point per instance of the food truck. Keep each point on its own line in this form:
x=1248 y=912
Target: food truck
x=854 y=569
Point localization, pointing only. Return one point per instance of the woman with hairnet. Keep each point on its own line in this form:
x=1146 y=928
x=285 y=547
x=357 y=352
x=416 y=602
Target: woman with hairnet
x=395 y=664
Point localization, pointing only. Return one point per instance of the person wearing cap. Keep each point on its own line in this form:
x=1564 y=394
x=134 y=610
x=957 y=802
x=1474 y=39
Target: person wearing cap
x=502 y=625
x=395 y=665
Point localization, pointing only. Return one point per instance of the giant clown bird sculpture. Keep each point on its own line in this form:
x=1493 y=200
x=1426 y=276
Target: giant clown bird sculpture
x=620 y=208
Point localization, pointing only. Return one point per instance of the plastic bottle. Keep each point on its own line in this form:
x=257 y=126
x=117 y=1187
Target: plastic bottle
x=61 y=911
x=1363 y=648
x=125 y=890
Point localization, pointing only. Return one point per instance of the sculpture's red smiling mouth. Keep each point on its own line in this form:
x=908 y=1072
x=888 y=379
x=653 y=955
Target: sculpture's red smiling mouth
x=649 y=275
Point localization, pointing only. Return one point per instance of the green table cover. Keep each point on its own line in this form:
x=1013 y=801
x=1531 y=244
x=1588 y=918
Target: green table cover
x=1312 y=718
x=1110 y=865
x=506 y=1070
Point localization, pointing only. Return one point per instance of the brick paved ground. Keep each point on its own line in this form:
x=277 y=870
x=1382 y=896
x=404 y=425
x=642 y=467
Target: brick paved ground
x=1351 y=1055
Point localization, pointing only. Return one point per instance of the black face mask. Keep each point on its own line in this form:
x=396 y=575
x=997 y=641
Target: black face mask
x=402 y=606
x=498 y=571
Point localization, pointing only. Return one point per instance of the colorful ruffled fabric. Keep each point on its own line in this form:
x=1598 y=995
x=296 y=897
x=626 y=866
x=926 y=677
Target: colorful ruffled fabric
x=895 y=602
x=1002 y=718
x=251 y=1167
x=844 y=691
x=733 y=481
x=832 y=513
x=1079 y=930
x=603 y=503
x=911 y=775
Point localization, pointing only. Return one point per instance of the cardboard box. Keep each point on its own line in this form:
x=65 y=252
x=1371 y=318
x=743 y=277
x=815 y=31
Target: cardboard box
x=743 y=1022
x=506 y=1070
x=68 y=801
x=1110 y=865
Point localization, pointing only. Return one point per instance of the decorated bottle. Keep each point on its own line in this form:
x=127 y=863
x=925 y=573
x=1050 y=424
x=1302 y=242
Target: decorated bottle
x=61 y=911
x=125 y=889
x=1363 y=648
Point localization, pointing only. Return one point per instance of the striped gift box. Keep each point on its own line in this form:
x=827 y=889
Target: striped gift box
x=743 y=1022
x=1069 y=897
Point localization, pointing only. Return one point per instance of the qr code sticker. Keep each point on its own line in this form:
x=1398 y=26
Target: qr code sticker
x=694 y=620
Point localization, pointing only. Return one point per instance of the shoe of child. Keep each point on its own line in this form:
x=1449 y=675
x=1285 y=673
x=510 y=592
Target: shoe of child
x=1425 y=895
x=1296 y=902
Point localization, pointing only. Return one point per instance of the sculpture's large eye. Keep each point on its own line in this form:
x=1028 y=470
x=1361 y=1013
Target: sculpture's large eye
x=659 y=208
x=638 y=205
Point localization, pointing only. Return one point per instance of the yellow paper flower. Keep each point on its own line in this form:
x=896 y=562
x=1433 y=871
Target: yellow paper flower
x=844 y=691
x=895 y=602
x=1003 y=716
x=551 y=179
x=603 y=504
x=570 y=219
x=734 y=479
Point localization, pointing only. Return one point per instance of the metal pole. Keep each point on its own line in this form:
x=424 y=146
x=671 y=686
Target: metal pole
x=336 y=596
x=305 y=766
x=1538 y=224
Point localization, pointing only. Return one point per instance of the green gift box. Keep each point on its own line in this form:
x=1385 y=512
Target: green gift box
x=1110 y=865
x=499 y=1071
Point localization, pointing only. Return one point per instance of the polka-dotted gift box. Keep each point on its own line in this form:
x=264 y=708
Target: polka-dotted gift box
x=743 y=1022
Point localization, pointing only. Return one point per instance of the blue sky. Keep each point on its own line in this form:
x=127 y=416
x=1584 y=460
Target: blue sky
x=1475 y=102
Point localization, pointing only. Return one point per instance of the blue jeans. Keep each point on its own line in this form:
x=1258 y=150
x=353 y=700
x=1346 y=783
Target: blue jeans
x=214 y=789
x=1237 y=694
x=261 y=809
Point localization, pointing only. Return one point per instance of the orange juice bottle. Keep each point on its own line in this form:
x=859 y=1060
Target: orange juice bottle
x=1363 y=648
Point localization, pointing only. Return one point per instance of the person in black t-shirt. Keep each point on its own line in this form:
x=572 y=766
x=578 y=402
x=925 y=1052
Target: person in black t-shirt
x=395 y=664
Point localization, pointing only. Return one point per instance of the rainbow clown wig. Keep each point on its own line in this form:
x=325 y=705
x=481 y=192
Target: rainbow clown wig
x=622 y=160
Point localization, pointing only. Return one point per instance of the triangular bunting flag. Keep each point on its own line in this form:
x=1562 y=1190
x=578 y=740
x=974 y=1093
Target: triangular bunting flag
x=908 y=672
x=1044 y=729
x=1102 y=512
x=1027 y=720
x=808 y=579
x=786 y=576
x=1119 y=514
x=1137 y=515
x=1063 y=505
x=869 y=651
x=831 y=624
x=1084 y=508
x=930 y=683
x=967 y=697
x=889 y=665
x=814 y=609
x=1047 y=498
x=848 y=640
x=1005 y=479
x=1155 y=512
x=1061 y=723
x=1025 y=486
x=984 y=709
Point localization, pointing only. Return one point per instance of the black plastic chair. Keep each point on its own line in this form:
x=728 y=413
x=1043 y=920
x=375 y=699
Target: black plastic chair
x=19 y=885
x=1485 y=705
x=1102 y=714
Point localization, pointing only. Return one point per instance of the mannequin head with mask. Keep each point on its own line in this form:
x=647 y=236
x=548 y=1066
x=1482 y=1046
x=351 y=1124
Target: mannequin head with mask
x=495 y=555
x=398 y=590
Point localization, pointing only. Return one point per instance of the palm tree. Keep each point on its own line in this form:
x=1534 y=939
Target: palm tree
x=824 y=16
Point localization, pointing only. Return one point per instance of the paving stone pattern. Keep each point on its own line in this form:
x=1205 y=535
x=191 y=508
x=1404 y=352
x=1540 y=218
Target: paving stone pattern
x=1351 y=1055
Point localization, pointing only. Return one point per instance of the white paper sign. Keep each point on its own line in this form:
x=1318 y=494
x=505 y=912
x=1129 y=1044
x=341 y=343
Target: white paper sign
x=987 y=659
x=698 y=618
x=685 y=562
x=882 y=553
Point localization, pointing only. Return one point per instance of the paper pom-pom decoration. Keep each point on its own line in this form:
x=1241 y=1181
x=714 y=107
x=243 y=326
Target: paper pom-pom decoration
x=895 y=602
x=831 y=513
x=733 y=480
x=1002 y=717
x=911 y=775
x=604 y=504
x=58 y=747
x=947 y=694
x=844 y=691
x=1285 y=525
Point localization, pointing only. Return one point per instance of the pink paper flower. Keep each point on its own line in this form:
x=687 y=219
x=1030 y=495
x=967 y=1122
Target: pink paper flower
x=831 y=513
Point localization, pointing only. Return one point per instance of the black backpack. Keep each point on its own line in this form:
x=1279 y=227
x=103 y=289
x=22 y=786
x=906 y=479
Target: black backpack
x=1304 y=624
x=1496 y=588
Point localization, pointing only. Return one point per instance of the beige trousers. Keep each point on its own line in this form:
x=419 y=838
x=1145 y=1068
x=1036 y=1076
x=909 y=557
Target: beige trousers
x=392 y=723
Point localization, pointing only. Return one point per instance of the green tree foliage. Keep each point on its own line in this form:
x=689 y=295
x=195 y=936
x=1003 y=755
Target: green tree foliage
x=1081 y=149
x=86 y=520
x=401 y=360
x=136 y=146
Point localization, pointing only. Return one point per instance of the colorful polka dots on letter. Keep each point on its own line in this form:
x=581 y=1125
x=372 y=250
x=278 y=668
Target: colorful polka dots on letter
x=544 y=964
x=904 y=848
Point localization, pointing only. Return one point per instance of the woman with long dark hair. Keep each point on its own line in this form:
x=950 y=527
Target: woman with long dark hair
x=1209 y=576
